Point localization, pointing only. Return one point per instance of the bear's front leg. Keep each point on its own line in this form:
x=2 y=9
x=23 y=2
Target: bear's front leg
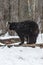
x=21 y=38
x=27 y=37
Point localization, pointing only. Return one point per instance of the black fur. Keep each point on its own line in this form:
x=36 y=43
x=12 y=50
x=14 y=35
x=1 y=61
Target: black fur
x=27 y=29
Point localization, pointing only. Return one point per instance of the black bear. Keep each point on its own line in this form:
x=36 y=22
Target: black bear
x=27 y=29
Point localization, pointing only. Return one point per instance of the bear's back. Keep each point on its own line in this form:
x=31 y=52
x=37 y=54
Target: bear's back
x=27 y=25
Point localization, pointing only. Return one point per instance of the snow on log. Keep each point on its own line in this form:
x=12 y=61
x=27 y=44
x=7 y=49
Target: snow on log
x=12 y=40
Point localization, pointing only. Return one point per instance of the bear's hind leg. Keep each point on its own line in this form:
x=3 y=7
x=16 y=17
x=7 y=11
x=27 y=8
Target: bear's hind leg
x=32 y=40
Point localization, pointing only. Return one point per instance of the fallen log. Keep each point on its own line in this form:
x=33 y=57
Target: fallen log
x=23 y=45
x=30 y=45
x=9 y=42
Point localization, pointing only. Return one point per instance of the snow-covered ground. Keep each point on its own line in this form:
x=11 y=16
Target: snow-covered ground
x=21 y=55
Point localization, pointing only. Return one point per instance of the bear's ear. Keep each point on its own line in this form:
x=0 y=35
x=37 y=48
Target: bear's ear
x=9 y=23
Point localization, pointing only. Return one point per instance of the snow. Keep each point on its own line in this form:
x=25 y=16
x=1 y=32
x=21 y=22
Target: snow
x=21 y=55
x=40 y=38
x=7 y=36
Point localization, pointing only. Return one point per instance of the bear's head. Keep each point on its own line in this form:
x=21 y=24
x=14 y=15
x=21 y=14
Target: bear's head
x=12 y=25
